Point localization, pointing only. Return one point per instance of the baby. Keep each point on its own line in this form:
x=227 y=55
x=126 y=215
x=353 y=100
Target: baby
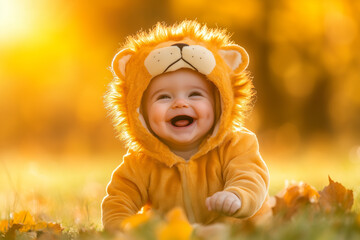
x=179 y=109
x=178 y=100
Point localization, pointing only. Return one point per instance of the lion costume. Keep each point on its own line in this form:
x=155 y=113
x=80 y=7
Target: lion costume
x=227 y=160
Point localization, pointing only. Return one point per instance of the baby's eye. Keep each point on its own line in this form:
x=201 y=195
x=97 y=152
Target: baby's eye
x=195 y=94
x=162 y=96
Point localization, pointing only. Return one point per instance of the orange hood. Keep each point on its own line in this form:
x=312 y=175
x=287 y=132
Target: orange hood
x=149 y=54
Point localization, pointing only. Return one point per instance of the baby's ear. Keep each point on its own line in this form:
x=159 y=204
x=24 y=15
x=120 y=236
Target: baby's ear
x=120 y=60
x=235 y=57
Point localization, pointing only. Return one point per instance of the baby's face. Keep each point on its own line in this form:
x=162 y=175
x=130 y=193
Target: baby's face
x=179 y=108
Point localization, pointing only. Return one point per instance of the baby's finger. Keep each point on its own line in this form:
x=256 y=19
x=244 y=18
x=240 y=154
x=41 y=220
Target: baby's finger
x=235 y=206
x=212 y=201
x=227 y=205
x=207 y=203
x=220 y=202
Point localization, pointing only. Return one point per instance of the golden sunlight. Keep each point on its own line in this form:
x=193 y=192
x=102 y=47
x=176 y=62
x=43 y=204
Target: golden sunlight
x=58 y=147
x=23 y=21
x=16 y=19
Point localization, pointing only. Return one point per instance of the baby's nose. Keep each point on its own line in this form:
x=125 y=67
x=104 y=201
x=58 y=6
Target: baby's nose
x=180 y=103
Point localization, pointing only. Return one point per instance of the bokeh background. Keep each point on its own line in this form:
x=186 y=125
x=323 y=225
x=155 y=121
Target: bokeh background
x=57 y=145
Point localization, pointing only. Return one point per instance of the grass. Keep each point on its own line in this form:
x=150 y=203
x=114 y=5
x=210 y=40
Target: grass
x=69 y=190
x=64 y=190
x=315 y=170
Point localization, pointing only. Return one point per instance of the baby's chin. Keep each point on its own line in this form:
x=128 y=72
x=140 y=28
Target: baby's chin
x=184 y=143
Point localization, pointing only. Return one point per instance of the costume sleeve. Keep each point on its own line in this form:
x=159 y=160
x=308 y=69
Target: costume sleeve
x=126 y=193
x=245 y=173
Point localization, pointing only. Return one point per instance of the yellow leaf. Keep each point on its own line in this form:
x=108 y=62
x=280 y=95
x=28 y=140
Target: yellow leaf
x=40 y=226
x=135 y=220
x=177 y=227
x=54 y=227
x=23 y=217
x=4 y=226
x=176 y=215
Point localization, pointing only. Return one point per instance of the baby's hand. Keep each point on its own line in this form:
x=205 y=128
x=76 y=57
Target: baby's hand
x=223 y=202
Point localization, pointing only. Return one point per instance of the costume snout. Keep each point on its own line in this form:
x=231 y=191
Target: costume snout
x=180 y=55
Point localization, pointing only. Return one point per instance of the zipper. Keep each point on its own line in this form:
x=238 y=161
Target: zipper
x=187 y=195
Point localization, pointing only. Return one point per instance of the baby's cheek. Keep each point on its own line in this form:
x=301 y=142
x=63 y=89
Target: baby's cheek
x=157 y=117
x=208 y=113
x=157 y=113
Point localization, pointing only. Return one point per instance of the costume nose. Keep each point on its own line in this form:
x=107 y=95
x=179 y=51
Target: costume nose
x=180 y=103
x=180 y=45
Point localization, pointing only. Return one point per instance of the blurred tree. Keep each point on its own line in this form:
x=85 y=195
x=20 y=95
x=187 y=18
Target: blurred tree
x=54 y=58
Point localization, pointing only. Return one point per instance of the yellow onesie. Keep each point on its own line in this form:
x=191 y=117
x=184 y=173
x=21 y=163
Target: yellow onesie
x=227 y=160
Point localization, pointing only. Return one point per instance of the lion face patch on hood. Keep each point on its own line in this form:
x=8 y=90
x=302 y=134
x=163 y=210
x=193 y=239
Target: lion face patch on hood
x=166 y=49
x=180 y=55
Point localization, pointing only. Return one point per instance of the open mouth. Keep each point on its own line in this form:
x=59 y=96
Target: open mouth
x=182 y=121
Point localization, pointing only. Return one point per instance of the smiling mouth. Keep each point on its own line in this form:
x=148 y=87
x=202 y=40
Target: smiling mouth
x=182 y=121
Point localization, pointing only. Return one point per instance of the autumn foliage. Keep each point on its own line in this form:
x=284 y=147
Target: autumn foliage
x=299 y=211
x=23 y=222
x=334 y=198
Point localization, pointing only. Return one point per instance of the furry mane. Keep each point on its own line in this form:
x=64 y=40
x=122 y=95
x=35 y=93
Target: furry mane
x=161 y=33
x=115 y=98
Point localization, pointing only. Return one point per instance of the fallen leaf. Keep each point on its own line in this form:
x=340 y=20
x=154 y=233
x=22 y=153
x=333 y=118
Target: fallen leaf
x=335 y=197
x=4 y=226
x=300 y=193
x=282 y=208
x=23 y=217
x=176 y=215
x=294 y=197
x=176 y=228
x=11 y=233
x=40 y=226
x=54 y=227
x=135 y=220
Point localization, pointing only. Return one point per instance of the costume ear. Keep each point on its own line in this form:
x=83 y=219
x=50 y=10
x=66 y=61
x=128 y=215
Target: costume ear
x=120 y=60
x=235 y=57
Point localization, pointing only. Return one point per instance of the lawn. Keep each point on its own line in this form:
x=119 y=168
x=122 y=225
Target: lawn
x=69 y=190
